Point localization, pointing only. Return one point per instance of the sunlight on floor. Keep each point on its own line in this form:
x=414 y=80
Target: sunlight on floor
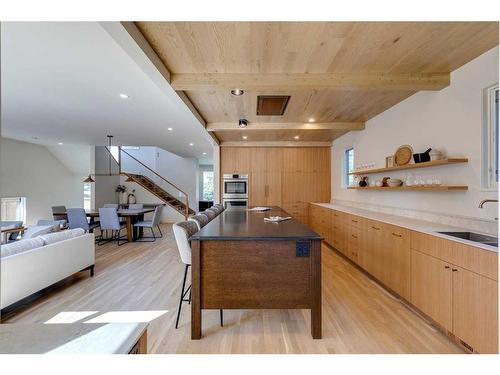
x=67 y=317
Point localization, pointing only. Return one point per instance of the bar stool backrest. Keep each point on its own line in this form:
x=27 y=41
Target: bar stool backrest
x=183 y=232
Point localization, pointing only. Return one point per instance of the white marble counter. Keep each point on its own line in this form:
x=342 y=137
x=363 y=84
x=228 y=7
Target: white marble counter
x=412 y=224
x=75 y=338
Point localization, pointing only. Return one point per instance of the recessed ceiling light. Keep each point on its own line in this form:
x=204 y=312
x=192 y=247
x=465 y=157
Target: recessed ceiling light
x=191 y=144
x=245 y=137
x=35 y=138
x=170 y=129
x=296 y=137
x=60 y=143
x=204 y=153
x=124 y=96
x=237 y=92
x=311 y=120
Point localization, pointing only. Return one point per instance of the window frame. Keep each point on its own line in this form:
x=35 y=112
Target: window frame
x=203 y=185
x=23 y=208
x=346 y=174
x=489 y=147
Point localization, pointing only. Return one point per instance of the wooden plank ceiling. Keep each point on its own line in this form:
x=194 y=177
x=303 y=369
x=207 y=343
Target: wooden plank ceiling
x=335 y=72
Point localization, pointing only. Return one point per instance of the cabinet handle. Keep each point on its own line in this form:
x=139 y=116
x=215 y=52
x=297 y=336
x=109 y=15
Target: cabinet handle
x=397 y=235
x=446 y=267
x=353 y=236
x=334 y=227
x=354 y=221
x=454 y=269
x=375 y=228
x=267 y=191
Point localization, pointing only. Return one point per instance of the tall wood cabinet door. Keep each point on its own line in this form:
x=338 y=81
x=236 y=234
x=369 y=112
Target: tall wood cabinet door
x=431 y=287
x=475 y=310
x=274 y=166
x=242 y=162
x=228 y=160
x=397 y=259
x=258 y=189
x=258 y=159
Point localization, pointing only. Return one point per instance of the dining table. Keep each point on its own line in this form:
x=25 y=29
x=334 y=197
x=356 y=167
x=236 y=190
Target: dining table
x=131 y=216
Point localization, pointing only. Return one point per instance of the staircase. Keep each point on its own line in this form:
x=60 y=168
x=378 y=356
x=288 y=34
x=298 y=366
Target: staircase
x=155 y=189
x=181 y=206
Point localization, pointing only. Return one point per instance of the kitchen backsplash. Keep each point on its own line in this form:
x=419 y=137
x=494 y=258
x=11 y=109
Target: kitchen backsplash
x=473 y=224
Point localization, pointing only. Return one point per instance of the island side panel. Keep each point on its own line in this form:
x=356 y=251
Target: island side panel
x=254 y=274
x=316 y=331
x=195 y=291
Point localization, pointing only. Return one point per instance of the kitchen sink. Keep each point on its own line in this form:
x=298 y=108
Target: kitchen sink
x=474 y=237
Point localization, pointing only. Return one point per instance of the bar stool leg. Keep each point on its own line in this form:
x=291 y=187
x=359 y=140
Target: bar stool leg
x=182 y=297
x=221 y=319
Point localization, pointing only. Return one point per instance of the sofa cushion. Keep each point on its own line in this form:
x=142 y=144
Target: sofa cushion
x=61 y=236
x=37 y=230
x=20 y=246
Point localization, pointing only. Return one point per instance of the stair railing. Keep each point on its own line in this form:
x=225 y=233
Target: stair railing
x=186 y=214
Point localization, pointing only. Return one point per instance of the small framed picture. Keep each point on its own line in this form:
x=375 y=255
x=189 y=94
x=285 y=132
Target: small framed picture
x=389 y=161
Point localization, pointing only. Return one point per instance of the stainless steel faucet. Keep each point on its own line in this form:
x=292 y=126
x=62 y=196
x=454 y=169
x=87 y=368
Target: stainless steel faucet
x=486 y=201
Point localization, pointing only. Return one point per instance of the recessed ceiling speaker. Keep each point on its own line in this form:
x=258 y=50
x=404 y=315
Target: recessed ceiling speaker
x=243 y=123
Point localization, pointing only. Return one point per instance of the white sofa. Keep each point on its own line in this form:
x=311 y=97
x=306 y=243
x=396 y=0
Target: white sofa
x=31 y=265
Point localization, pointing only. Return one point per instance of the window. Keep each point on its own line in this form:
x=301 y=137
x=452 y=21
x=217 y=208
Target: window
x=490 y=138
x=87 y=195
x=349 y=166
x=13 y=209
x=208 y=186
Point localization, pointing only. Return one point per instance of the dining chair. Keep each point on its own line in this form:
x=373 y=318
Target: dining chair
x=111 y=222
x=77 y=218
x=200 y=220
x=59 y=212
x=60 y=223
x=209 y=213
x=136 y=206
x=151 y=224
x=182 y=233
x=111 y=205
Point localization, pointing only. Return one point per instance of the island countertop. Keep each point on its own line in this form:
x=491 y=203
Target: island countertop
x=244 y=225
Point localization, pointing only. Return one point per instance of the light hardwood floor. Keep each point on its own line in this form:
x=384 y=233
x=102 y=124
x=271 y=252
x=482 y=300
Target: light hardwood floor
x=358 y=315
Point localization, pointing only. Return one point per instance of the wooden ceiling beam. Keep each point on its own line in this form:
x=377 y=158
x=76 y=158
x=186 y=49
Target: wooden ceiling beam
x=309 y=81
x=340 y=125
x=277 y=144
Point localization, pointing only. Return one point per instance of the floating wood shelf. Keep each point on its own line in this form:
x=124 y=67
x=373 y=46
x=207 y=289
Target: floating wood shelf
x=427 y=164
x=429 y=187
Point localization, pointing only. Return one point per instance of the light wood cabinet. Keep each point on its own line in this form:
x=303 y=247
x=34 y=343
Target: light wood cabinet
x=431 y=288
x=235 y=160
x=289 y=177
x=338 y=232
x=396 y=259
x=452 y=283
x=370 y=259
x=265 y=177
x=475 y=310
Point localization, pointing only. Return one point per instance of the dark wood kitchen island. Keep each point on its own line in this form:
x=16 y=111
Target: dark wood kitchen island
x=239 y=261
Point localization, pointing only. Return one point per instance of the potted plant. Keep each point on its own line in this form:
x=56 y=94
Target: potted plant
x=122 y=189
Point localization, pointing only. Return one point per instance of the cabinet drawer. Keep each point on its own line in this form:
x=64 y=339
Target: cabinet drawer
x=472 y=258
x=354 y=221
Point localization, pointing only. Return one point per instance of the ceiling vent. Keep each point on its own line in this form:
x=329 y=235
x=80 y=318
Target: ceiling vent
x=272 y=105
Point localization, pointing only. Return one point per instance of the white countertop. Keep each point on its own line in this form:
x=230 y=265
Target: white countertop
x=75 y=338
x=408 y=223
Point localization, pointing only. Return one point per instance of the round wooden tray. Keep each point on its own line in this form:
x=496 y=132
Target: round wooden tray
x=403 y=155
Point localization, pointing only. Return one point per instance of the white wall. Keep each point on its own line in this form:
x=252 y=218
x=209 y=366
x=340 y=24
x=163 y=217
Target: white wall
x=105 y=186
x=449 y=120
x=178 y=170
x=32 y=171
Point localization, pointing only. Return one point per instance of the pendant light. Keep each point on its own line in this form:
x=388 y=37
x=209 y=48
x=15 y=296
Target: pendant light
x=89 y=179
